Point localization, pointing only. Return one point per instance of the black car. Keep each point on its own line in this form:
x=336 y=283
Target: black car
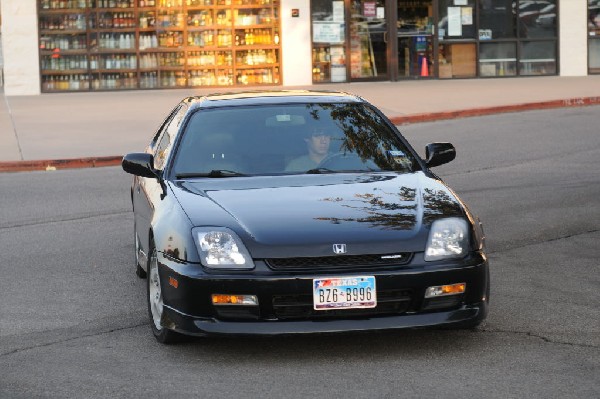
x=298 y=212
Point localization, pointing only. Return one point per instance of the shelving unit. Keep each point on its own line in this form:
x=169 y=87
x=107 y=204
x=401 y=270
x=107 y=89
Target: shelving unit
x=321 y=62
x=151 y=44
x=64 y=60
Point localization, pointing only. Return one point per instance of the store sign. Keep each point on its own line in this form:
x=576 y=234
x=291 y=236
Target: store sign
x=485 y=34
x=370 y=9
x=420 y=43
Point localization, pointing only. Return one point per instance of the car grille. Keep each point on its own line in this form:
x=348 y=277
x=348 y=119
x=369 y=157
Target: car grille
x=295 y=307
x=341 y=262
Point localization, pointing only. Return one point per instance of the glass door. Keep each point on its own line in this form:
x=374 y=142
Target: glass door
x=368 y=40
x=415 y=35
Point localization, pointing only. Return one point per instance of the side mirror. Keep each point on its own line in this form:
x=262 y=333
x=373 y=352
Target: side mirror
x=139 y=164
x=439 y=154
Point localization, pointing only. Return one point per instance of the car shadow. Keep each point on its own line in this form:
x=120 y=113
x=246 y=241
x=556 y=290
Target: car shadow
x=351 y=346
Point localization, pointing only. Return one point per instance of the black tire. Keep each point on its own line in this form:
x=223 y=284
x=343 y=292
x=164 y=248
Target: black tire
x=155 y=303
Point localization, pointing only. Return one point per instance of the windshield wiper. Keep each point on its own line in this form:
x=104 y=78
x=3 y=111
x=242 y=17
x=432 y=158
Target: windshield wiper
x=216 y=173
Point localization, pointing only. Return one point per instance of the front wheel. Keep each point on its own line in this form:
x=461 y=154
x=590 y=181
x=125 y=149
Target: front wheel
x=155 y=302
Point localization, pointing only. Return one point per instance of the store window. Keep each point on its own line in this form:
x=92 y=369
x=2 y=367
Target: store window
x=497 y=19
x=328 y=41
x=497 y=59
x=537 y=18
x=457 y=50
x=537 y=58
x=511 y=38
x=415 y=38
x=594 y=36
x=457 y=19
x=368 y=40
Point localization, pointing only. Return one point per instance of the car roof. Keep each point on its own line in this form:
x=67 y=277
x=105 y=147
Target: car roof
x=270 y=98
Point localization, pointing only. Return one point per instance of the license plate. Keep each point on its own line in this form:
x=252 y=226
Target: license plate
x=344 y=293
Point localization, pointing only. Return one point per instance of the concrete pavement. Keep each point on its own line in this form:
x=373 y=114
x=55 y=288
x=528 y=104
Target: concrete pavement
x=94 y=129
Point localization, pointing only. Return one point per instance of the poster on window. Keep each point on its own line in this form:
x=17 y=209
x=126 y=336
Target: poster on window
x=338 y=64
x=328 y=32
x=370 y=9
x=466 y=15
x=454 y=21
x=338 y=11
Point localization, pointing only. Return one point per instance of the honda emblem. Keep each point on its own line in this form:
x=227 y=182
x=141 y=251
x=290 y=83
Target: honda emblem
x=339 y=249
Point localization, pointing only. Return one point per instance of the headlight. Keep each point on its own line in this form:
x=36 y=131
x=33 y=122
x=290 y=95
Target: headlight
x=448 y=238
x=221 y=248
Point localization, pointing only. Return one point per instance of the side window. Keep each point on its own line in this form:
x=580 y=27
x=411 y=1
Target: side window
x=162 y=129
x=167 y=136
x=160 y=155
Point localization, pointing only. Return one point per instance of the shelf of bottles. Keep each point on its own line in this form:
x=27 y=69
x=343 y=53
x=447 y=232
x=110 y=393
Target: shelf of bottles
x=321 y=61
x=153 y=44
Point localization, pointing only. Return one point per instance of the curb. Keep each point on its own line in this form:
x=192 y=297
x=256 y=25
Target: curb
x=97 y=162
x=501 y=109
x=55 y=164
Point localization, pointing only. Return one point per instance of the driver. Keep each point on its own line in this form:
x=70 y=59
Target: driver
x=317 y=144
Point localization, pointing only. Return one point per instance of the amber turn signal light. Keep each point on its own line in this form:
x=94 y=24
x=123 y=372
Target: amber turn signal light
x=224 y=299
x=444 y=290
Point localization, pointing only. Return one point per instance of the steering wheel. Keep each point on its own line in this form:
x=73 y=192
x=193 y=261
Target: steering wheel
x=341 y=161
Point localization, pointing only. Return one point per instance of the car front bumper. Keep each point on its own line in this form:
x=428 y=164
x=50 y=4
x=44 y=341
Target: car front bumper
x=285 y=301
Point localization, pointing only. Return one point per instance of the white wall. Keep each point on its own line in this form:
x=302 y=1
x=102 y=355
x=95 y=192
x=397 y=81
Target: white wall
x=296 y=43
x=20 y=47
x=573 y=37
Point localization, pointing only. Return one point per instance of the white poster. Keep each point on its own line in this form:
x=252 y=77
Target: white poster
x=467 y=15
x=460 y=2
x=338 y=56
x=338 y=11
x=454 y=21
x=328 y=32
x=338 y=73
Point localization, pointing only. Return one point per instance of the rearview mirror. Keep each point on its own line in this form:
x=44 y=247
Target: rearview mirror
x=439 y=153
x=139 y=164
x=285 y=120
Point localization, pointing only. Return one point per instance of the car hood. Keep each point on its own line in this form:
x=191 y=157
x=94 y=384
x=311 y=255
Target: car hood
x=304 y=215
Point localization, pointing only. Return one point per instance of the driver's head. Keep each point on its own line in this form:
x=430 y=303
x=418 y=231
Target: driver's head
x=318 y=143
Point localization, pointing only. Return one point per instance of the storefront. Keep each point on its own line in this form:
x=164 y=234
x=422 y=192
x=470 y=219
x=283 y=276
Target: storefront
x=421 y=39
x=96 y=45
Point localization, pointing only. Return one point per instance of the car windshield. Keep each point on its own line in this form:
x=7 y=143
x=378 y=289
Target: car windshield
x=289 y=139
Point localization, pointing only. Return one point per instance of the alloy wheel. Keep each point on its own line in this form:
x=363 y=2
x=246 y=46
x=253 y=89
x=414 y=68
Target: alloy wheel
x=154 y=292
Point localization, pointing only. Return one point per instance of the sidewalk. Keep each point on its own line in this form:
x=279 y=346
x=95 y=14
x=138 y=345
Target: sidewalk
x=95 y=129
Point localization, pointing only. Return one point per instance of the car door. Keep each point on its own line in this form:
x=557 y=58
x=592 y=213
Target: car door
x=147 y=193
